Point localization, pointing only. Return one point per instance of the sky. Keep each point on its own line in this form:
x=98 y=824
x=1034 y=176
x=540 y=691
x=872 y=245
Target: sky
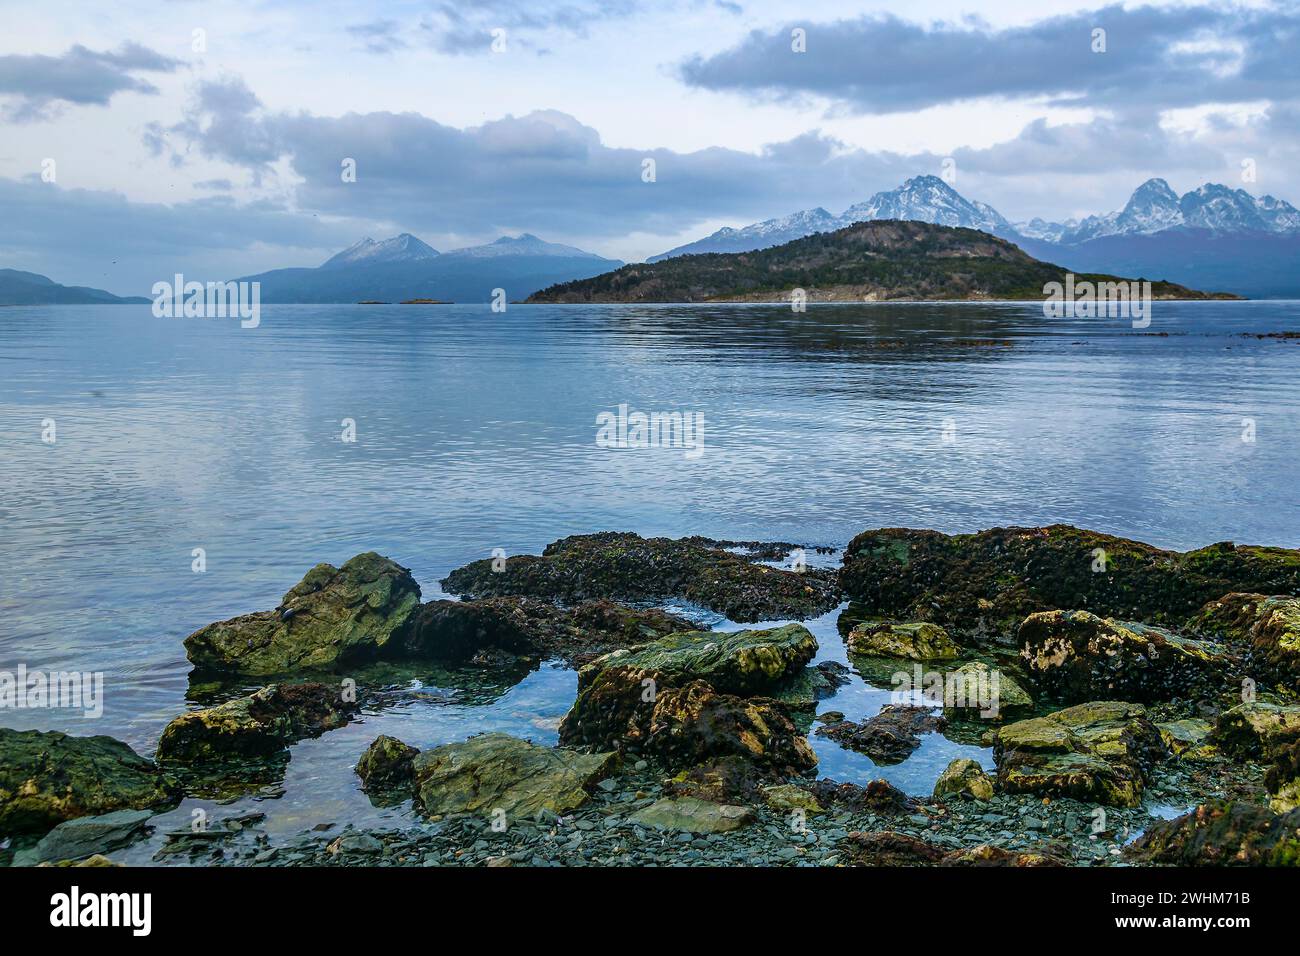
x=140 y=139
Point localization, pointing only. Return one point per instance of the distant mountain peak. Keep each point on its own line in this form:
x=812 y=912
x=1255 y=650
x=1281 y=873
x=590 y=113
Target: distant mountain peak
x=524 y=244
x=403 y=247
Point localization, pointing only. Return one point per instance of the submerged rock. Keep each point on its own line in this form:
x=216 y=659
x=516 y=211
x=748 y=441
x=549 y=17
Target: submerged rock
x=263 y=723
x=49 y=777
x=457 y=631
x=387 y=764
x=990 y=581
x=692 y=815
x=334 y=617
x=1076 y=656
x=964 y=777
x=1222 y=833
x=503 y=775
x=918 y=641
x=1098 y=752
x=889 y=737
x=621 y=566
x=810 y=685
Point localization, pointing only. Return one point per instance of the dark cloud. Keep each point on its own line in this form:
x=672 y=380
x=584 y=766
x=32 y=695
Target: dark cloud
x=35 y=85
x=1154 y=58
x=379 y=36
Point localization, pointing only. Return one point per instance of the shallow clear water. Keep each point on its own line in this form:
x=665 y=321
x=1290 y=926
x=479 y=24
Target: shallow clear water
x=477 y=430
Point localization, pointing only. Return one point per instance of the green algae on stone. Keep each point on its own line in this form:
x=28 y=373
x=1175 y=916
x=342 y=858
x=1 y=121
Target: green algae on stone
x=917 y=641
x=1076 y=656
x=964 y=777
x=1099 y=752
x=1256 y=730
x=620 y=566
x=49 y=777
x=990 y=581
x=1221 y=833
x=787 y=796
x=496 y=774
x=1188 y=738
x=334 y=617
x=261 y=724
x=692 y=815
x=387 y=764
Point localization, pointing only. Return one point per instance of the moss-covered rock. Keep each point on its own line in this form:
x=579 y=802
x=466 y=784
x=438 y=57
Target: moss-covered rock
x=1188 y=738
x=1076 y=656
x=890 y=736
x=621 y=566
x=963 y=777
x=1269 y=627
x=506 y=778
x=1222 y=833
x=976 y=687
x=387 y=764
x=990 y=581
x=460 y=631
x=692 y=815
x=49 y=777
x=806 y=687
x=787 y=796
x=1098 y=752
x=261 y=724
x=917 y=641
x=1283 y=778
x=334 y=617
x=1256 y=730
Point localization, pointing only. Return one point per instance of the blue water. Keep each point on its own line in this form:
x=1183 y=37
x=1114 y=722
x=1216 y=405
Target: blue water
x=477 y=430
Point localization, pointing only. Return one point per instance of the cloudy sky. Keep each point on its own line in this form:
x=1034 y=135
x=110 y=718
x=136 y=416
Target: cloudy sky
x=138 y=139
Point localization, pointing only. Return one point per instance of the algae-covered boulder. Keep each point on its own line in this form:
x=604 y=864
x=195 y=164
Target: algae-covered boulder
x=626 y=567
x=890 y=736
x=917 y=641
x=1076 y=656
x=1283 y=778
x=1222 y=833
x=692 y=815
x=809 y=685
x=49 y=777
x=387 y=764
x=1268 y=626
x=964 y=777
x=1098 y=752
x=1256 y=730
x=978 y=688
x=262 y=723
x=457 y=631
x=495 y=774
x=334 y=617
x=737 y=662
x=992 y=580
x=1188 y=738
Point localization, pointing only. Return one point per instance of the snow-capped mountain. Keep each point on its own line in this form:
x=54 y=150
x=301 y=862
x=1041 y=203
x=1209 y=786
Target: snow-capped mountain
x=1154 y=207
x=924 y=198
x=525 y=244
x=401 y=248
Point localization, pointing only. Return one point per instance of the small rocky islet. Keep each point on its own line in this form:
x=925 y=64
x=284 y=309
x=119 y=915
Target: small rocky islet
x=1145 y=710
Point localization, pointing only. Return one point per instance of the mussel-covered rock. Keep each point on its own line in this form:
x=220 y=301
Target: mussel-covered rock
x=1256 y=730
x=263 y=723
x=507 y=778
x=990 y=581
x=1221 y=833
x=1076 y=656
x=49 y=777
x=1268 y=626
x=626 y=567
x=334 y=617
x=1098 y=752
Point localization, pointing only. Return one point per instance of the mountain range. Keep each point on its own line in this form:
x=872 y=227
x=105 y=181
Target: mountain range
x=29 y=288
x=1212 y=236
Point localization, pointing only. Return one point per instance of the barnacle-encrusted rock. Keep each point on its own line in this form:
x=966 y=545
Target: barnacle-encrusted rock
x=1098 y=752
x=1220 y=833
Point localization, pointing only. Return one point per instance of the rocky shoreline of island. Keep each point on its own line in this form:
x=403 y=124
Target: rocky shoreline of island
x=1141 y=706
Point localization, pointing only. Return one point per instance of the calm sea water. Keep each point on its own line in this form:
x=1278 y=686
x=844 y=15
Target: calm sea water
x=476 y=431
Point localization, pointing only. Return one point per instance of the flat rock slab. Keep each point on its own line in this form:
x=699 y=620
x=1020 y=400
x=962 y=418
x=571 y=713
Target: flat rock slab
x=497 y=773
x=87 y=836
x=692 y=815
